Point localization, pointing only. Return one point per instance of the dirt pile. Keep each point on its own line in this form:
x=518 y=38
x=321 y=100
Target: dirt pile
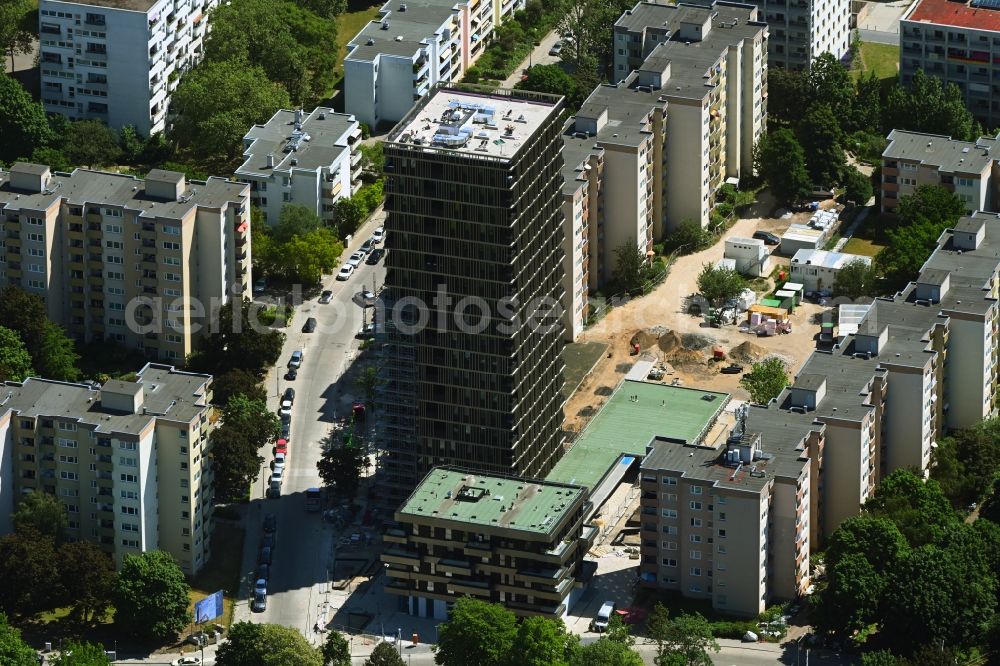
x=748 y=352
x=667 y=341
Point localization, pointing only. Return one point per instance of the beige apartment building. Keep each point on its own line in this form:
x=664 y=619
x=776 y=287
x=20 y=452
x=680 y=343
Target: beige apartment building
x=140 y=262
x=969 y=169
x=583 y=224
x=515 y=541
x=129 y=460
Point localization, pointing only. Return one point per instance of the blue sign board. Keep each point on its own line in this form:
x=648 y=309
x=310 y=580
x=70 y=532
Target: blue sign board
x=208 y=608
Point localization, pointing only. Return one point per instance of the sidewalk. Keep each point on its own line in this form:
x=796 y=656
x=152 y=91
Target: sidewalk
x=539 y=56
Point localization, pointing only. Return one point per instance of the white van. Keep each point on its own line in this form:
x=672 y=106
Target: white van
x=600 y=622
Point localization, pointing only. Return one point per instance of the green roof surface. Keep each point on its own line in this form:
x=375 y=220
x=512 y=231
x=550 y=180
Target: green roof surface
x=626 y=425
x=482 y=499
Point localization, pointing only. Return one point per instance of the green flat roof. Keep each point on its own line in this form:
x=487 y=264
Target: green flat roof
x=448 y=493
x=626 y=425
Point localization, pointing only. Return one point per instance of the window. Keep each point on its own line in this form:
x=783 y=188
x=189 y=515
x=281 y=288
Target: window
x=127 y=461
x=670 y=545
x=695 y=571
x=722 y=550
x=696 y=522
x=38 y=238
x=168 y=245
x=695 y=588
x=722 y=515
x=130 y=527
x=67 y=443
x=72 y=460
x=669 y=529
x=130 y=543
x=130 y=511
x=696 y=490
x=113 y=228
x=129 y=478
x=669 y=497
x=114 y=245
x=129 y=494
x=171 y=230
x=695 y=506
x=694 y=554
x=128 y=446
x=669 y=562
x=668 y=513
x=695 y=538
x=68 y=476
x=670 y=480
x=722 y=534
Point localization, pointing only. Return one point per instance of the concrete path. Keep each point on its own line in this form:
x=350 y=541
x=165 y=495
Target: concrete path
x=539 y=56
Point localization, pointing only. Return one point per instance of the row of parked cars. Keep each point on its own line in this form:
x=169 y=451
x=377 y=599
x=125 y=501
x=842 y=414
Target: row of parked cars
x=281 y=448
x=264 y=560
x=369 y=252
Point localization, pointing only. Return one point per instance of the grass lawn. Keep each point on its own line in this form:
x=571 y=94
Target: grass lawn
x=868 y=238
x=861 y=246
x=350 y=23
x=223 y=570
x=883 y=59
x=579 y=357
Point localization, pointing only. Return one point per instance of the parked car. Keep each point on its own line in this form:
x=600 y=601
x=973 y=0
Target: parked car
x=260 y=587
x=345 y=272
x=600 y=622
x=267 y=541
x=326 y=297
x=366 y=331
x=291 y=374
x=732 y=369
x=364 y=298
x=556 y=49
x=286 y=431
x=259 y=603
x=378 y=235
x=289 y=394
x=375 y=256
x=367 y=246
x=310 y=325
x=270 y=525
x=356 y=259
x=183 y=661
x=767 y=237
x=296 y=360
x=264 y=557
x=260 y=285
x=278 y=475
x=285 y=412
x=820 y=192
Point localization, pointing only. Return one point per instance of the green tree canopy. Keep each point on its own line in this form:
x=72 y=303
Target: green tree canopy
x=477 y=632
x=968 y=462
x=782 y=163
x=151 y=599
x=876 y=538
x=867 y=104
x=917 y=507
x=56 y=357
x=22 y=120
x=15 y=362
x=689 y=237
x=858 y=186
x=606 y=653
x=28 y=570
x=252 y=644
x=766 y=380
x=719 y=284
x=820 y=138
x=685 y=640
x=247 y=426
x=91 y=143
x=216 y=102
x=384 y=654
x=238 y=341
x=18 y=27
x=342 y=463
x=13 y=650
x=75 y=653
x=855 y=279
x=42 y=513
x=553 y=79
x=786 y=89
x=88 y=579
x=336 y=650
x=540 y=641
x=852 y=596
x=830 y=84
x=928 y=106
x=629 y=261
x=237 y=382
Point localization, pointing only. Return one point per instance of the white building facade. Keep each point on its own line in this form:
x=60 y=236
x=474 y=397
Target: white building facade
x=802 y=30
x=118 y=60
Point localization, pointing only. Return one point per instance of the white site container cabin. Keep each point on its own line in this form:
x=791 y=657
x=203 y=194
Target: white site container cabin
x=750 y=254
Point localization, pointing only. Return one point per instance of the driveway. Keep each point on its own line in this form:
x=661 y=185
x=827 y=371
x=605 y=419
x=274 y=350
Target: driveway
x=539 y=56
x=299 y=574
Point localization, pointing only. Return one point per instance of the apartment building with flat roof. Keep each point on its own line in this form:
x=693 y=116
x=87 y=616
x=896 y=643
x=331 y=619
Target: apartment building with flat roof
x=413 y=46
x=515 y=541
x=130 y=461
x=957 y=42
x=139 y=261
x=118 y=60
x=474 y=214
x=306 y=159
x=802 y=30
x=583 y=222
x=969 y=169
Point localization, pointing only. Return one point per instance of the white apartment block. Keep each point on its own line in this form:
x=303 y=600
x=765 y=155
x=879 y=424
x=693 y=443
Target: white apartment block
x=140 y=262
x=957 y=42
x=583 y=222
x=413 y=46
x=818 y=269
x=118 y=60
x=310 y=160
x=969 y=169
x=130 y=461
x=704 y=70
x=802 y=30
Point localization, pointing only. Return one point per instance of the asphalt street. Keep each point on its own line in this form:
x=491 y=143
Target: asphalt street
x=298 y=580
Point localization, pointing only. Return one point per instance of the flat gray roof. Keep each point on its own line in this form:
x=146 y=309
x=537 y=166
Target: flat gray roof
x=130 y=5
x=327 y=133
x=406 y=32
x=942 y=152
x=847 y=380
x=167 y=393
x=474 y=124
x=84 y=186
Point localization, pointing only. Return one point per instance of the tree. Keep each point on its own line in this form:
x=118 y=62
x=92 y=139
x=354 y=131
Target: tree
x=926 y=105
x=22 y=120
x=629 y=261
x=151 y=597
x=238 y=341
x=350 y=213
x=540 y=641
x=719 y=284
x=852 y=596
x=325 y=8
x=342 y=464
x=683 y=641
x=855 y=279
x=13 y=650
x=92 y=143
x=782 y=163
x=247 y=426
x=820 y=137
x=24 y=313
x=42 y=513
x=217 y=101
x=384 y=654
x=82 y=654
x=373 y=158
x=786 y=89
x=967 y=462
x=766 y=380
x=867 y=104
x=56 y=357
x=252 y=644
x=689 y=237
x=553 y=79
x=830 y=84
x=477 y=632
x=28 y=569
x=879 y=658
x=18 y=27
x=618 y=631
x=858 y=186
x=876 y=538
x=369 y=381
x=88 y=579
x=237 y=382
x=15 y=362
x=336 y=650
x=606 y=653
x=917 y=507
x=306 y=258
